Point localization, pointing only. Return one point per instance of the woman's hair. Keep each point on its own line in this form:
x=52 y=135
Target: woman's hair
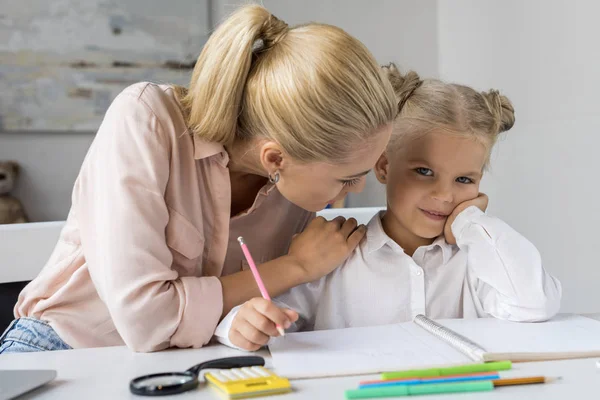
x=428 y=104
x=314 y=89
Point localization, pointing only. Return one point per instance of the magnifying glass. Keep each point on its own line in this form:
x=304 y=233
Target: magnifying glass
x=166 y=383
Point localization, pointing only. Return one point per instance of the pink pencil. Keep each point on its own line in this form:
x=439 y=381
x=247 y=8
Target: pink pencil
x=259 y=282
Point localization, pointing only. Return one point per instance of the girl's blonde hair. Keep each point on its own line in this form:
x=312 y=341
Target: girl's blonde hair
x=428 y=104
x=314 y=89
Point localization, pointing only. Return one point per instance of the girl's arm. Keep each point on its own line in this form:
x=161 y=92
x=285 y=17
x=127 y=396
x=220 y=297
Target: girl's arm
x=510 y=281
x=302 y=299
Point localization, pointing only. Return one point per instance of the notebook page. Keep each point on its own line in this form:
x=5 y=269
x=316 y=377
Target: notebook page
x=354 y=351
x=562 y=334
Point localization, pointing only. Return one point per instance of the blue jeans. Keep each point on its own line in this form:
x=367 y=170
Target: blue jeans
x=29 y=334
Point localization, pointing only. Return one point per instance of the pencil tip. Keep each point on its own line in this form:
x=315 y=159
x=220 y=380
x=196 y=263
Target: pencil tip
x=241 y=240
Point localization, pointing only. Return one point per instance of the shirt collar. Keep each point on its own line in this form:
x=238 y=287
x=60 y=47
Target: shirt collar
x=262 y=195
x=204 y=149
x=447 y=249
x=267 y=189
x=377 y=238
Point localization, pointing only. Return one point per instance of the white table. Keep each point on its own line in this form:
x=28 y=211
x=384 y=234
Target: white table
x=105 y=373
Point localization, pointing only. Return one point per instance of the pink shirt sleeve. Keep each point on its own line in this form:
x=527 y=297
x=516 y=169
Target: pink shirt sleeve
x=123 y=215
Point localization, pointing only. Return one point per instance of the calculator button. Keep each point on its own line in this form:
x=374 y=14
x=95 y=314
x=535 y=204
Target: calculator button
x=229 y=375
x=238 y=373
x=219 y=376
x=261 y=371
x=248 y=371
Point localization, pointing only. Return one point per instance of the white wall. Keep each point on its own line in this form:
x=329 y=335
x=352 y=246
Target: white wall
x=50 y=162
x=544 y=56
x=403 y=31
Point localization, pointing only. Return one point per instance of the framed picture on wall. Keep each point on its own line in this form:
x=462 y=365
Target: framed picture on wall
x=62 y=62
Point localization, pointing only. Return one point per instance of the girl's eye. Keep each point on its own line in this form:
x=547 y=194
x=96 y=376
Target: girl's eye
x=351 y=182
x=464 y=179
x=424 y=171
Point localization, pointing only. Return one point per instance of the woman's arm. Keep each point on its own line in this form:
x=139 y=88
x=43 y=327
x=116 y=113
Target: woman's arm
x=314 y=253
x=278 y=276
x=121 y=211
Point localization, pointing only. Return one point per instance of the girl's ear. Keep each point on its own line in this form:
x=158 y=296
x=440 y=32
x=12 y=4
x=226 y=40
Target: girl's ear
x=381 y=168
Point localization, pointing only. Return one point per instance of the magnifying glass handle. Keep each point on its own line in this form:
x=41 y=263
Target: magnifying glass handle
x=229 y=362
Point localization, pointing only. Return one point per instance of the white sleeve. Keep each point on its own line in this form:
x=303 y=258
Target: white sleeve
x=511 y=282
x=302 y=299
x=222 y=331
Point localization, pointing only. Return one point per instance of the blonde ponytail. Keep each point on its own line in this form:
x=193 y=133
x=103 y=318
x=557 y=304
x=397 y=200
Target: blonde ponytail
x=213 y=99
x=314 y=89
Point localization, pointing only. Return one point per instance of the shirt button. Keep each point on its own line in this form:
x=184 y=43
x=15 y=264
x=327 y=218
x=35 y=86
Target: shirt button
x=418 y=272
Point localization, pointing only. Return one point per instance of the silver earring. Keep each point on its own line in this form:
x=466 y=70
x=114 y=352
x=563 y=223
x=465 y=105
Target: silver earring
x=274 y=178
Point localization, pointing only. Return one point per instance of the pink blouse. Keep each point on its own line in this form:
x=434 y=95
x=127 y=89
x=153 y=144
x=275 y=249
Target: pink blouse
x=149 y=232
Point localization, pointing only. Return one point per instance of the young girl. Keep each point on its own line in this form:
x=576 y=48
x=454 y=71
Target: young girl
x=277 y=122
x=434 y=251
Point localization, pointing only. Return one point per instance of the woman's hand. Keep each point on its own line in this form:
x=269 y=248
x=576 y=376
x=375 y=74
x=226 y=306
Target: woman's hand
x=480 y=201
x=314 y=253
x=324 y=245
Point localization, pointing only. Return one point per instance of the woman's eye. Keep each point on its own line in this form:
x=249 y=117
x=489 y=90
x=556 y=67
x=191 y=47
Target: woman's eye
x=351 y=182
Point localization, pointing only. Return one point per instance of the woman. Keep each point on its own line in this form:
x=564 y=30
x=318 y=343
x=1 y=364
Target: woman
x=276 y=124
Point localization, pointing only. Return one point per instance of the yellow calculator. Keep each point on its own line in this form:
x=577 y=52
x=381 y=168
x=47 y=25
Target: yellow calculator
x=241 y=383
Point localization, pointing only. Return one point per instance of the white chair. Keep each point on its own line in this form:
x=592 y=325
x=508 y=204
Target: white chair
x=25 y=248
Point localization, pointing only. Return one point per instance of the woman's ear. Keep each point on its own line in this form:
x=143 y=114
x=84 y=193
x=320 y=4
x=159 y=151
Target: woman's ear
x=381 y=168
x=272 y=157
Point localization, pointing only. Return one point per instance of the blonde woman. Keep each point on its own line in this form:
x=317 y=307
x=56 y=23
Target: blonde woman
x=277 y=122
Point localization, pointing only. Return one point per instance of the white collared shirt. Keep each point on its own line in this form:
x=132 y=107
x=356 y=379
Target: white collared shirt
x=492 y=271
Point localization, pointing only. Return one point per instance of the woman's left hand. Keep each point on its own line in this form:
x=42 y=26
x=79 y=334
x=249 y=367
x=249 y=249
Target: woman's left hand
x=480 y=201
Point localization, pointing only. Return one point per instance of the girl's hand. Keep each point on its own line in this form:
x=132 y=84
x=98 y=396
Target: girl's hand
x=324 y=245
x=256 y=322
x=480 y=201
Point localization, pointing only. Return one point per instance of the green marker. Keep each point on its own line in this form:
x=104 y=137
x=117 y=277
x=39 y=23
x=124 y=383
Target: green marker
x=456 y=370
x=412 y=390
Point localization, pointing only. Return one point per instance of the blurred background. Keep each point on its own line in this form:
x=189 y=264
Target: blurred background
x=62 y=62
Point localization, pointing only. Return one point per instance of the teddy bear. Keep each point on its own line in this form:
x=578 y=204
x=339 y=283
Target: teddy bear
x=11 y=209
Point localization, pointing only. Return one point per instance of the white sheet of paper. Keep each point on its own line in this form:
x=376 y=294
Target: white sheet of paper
x=377 y=349
x=563 y=334
x=355 y=351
